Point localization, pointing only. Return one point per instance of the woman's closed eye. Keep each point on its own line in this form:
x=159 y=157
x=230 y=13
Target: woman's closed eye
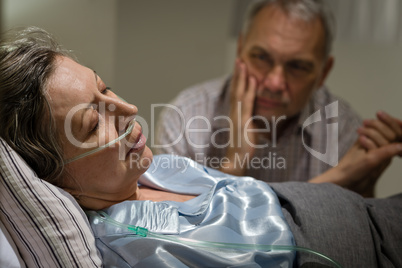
x=106 y=90
x=96 y=127
x=95 y=124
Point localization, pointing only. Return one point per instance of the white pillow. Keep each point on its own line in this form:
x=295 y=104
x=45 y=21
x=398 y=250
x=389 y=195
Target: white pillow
x=46 y=223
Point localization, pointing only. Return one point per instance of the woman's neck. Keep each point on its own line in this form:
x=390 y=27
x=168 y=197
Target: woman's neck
x=146 y=193
x=141 y=193
x=97 y=203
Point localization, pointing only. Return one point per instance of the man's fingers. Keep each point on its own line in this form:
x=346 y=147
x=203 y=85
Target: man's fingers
x=394 y=123
x=235 y=72
x=374 y=135
x=367 y=143
x=235 y=80
x=241 y=83
x=250 y=96
x=399 y=122
x=381 y=128
x=385 y=153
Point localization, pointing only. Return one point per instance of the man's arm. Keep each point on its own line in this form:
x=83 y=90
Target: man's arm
x=360 y=168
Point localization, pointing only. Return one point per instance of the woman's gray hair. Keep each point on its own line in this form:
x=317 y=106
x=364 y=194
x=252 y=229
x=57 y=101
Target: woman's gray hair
x=27 y=60
x=306 y=10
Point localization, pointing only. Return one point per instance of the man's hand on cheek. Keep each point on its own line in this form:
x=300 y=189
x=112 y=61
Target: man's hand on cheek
x=243 y=89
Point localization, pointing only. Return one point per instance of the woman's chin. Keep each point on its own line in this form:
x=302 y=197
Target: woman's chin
x=141 y=160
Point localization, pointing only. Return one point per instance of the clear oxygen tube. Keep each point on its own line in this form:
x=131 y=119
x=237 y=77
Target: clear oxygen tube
x=128 y=131
x=143 y=232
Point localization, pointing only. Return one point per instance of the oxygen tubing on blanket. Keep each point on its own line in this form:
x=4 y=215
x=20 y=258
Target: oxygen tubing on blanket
x=143 y=232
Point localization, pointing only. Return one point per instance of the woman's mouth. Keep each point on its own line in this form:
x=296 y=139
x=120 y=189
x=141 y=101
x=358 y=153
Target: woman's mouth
x=138 y=145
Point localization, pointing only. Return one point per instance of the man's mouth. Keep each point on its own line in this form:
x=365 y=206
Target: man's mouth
x=262 y=102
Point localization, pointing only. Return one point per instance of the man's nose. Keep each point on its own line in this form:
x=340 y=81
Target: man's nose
x=275 y=79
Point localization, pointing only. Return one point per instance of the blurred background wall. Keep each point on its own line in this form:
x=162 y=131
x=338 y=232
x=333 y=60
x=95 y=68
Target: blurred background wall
x=150 y=50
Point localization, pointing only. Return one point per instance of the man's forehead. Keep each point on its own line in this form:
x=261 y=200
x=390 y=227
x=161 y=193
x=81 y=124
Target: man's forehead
x=273 y=20
x=291 y=45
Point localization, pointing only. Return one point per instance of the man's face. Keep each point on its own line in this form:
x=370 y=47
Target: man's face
x=286 y=56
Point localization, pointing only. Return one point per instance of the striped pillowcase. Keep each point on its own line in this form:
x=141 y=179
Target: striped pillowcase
x=45 y=222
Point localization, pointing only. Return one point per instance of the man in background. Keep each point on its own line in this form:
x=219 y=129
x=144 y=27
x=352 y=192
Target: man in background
x=273 y=118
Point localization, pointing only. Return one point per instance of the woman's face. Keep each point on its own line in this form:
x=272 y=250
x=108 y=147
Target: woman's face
x=89 y=115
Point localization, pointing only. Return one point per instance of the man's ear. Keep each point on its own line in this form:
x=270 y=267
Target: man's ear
x=327 y=69
x=239 y=45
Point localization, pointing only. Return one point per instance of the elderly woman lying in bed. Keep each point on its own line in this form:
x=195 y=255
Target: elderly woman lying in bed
x=77 y=134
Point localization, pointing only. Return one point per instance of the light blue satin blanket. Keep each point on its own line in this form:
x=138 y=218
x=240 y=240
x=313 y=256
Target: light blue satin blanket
x=227 y=209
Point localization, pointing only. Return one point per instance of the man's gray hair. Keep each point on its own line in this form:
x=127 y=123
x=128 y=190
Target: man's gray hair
x=306 y=10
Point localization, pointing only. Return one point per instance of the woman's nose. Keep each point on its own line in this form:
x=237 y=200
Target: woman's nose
x=119 y=106
x=122 y=112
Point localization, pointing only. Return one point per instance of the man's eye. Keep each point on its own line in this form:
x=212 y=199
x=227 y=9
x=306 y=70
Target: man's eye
x=261 y=57
x=298 y=66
